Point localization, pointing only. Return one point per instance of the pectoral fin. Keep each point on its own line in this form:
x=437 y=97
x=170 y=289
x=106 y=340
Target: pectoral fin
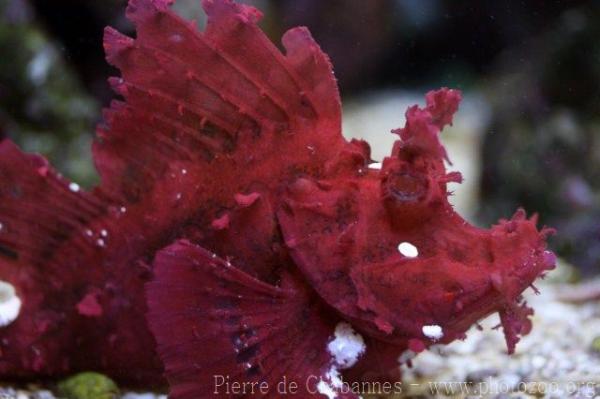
x=216 y=324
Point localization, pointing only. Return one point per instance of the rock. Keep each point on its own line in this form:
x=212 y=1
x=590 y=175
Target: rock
x=541 y=148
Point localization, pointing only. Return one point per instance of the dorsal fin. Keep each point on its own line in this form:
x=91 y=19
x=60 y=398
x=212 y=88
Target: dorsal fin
x=192 y=96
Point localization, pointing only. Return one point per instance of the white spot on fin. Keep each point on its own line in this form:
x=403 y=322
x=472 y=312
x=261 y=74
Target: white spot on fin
x=10 y=304
x=74 y=187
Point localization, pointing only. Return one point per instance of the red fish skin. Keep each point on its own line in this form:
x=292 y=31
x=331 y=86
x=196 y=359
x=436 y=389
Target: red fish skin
x=143 y=209
x=258 y=173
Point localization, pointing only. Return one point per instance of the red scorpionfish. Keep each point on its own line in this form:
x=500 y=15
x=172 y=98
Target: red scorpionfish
x=237 y=236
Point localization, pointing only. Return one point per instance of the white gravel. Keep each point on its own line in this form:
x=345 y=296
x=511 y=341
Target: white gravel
x=554 y=361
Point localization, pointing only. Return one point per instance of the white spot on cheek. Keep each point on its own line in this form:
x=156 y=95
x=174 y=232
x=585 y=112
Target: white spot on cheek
x=347 y=346
x=74 y=187
x=104 y=233
x=434 y=332
x=408 y=250
x=1 y=226
x=10 y=304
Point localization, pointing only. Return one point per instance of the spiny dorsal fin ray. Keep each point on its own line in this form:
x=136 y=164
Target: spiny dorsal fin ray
x=222 y=84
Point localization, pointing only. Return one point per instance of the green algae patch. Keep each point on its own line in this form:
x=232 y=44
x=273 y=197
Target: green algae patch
x=596 y=345
x=88 y=386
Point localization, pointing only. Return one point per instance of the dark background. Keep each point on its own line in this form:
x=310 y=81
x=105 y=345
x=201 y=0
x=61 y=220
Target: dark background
x=372 y=43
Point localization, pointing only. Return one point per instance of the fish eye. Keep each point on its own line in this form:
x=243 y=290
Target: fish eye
x=405 y=187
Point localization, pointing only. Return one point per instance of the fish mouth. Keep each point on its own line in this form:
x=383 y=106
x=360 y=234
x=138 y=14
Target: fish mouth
x=502 y=289
x=442 y=291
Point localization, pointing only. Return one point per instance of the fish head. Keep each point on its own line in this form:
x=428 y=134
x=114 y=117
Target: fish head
x=385 y=248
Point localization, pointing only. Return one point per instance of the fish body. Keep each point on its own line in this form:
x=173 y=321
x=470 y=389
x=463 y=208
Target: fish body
x=236 y=233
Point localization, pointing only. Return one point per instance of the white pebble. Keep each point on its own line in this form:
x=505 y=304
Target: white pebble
x=407 y=249
x=406 y=356
x=104 y=233
x=74 y=187
x=100 y=242
x=375 y=165
x=1 y=226
x=538 y=361
x=434 y=332
x=184 y=171
x=10 y=304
